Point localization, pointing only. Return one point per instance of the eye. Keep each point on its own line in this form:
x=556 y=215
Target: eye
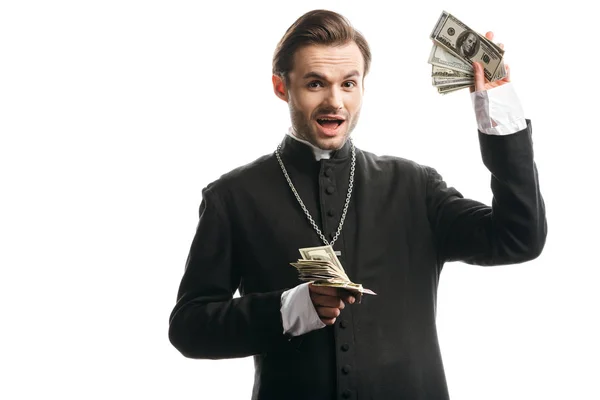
x=349 y=84
x=315 y=84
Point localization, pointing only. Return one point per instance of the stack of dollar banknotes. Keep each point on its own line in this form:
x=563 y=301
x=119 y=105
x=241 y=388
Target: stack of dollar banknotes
x=321 y=266
x=455 y=48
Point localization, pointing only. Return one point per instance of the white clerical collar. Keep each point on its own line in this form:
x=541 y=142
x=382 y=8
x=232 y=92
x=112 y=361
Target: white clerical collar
x=319 y=153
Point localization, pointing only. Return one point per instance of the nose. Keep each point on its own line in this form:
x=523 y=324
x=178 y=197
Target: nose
x=335 y=99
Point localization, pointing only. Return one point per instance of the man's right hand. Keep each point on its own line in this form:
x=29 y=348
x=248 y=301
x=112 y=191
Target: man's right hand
x=329 y=301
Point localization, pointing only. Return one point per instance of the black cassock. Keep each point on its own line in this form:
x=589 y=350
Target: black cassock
x=403 y=223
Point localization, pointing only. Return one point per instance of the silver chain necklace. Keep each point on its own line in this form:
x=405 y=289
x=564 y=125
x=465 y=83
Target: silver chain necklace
x=310 y=219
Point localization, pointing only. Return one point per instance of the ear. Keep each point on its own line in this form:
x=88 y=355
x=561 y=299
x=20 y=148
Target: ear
x=279 y=88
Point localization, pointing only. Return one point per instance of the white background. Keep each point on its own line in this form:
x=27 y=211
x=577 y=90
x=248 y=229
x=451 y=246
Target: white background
x=115 y=114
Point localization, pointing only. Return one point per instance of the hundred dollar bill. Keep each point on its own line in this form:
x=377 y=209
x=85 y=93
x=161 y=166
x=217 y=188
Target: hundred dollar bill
x=452 y=88
x=466 y=44
x=353 y=287
x=442 y=58
x=321 y=266
x=439 y=82
x=501 y=72
x=442 y=72
x=323 y=253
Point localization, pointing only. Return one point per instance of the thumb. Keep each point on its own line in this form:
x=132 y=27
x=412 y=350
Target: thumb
x=479 y=77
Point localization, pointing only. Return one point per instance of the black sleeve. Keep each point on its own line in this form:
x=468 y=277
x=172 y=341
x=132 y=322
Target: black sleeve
x=513 y=229
x=207 y=322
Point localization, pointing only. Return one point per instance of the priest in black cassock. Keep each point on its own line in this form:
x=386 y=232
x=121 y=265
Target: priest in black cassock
x=394 y=221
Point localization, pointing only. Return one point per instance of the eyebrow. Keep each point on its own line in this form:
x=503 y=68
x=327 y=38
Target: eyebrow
x=316 y=75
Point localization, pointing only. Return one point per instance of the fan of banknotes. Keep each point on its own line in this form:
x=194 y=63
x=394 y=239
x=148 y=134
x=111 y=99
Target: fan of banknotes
x=455 y=48
x=321 y=266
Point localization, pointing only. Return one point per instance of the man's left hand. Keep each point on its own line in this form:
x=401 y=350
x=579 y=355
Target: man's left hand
x=481 y=83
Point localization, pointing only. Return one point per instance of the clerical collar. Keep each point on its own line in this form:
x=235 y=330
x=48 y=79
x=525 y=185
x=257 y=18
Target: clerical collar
x=303 y=152
x=319 y=153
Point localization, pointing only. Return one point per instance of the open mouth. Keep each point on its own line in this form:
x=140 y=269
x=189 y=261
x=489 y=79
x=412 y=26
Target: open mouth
x=330 y=123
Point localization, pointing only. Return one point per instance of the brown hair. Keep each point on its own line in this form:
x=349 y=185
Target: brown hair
x=317 y=27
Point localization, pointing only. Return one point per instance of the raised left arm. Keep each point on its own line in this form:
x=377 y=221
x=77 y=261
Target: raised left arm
x=513 y=229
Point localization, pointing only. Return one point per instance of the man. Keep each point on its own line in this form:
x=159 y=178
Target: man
x=395 y=223
x=468 y=44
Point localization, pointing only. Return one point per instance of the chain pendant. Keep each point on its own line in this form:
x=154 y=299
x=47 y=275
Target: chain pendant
x=307 y=213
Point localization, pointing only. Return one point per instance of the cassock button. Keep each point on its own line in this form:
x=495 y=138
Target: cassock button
x=330 y=189
x=345 y=347
x=346 y=394
x=328 y=172
x=343 y=324
x=330 y=212
x=346 y=369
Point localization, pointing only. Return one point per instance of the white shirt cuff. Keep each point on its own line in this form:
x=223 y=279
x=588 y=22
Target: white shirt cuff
x=298 y=313
x=498 y=110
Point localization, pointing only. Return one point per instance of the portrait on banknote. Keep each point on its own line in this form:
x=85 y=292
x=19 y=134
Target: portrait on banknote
x=468 y=43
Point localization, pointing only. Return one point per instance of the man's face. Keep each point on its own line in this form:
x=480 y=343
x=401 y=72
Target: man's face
x=324 y=93
x=469 y=43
